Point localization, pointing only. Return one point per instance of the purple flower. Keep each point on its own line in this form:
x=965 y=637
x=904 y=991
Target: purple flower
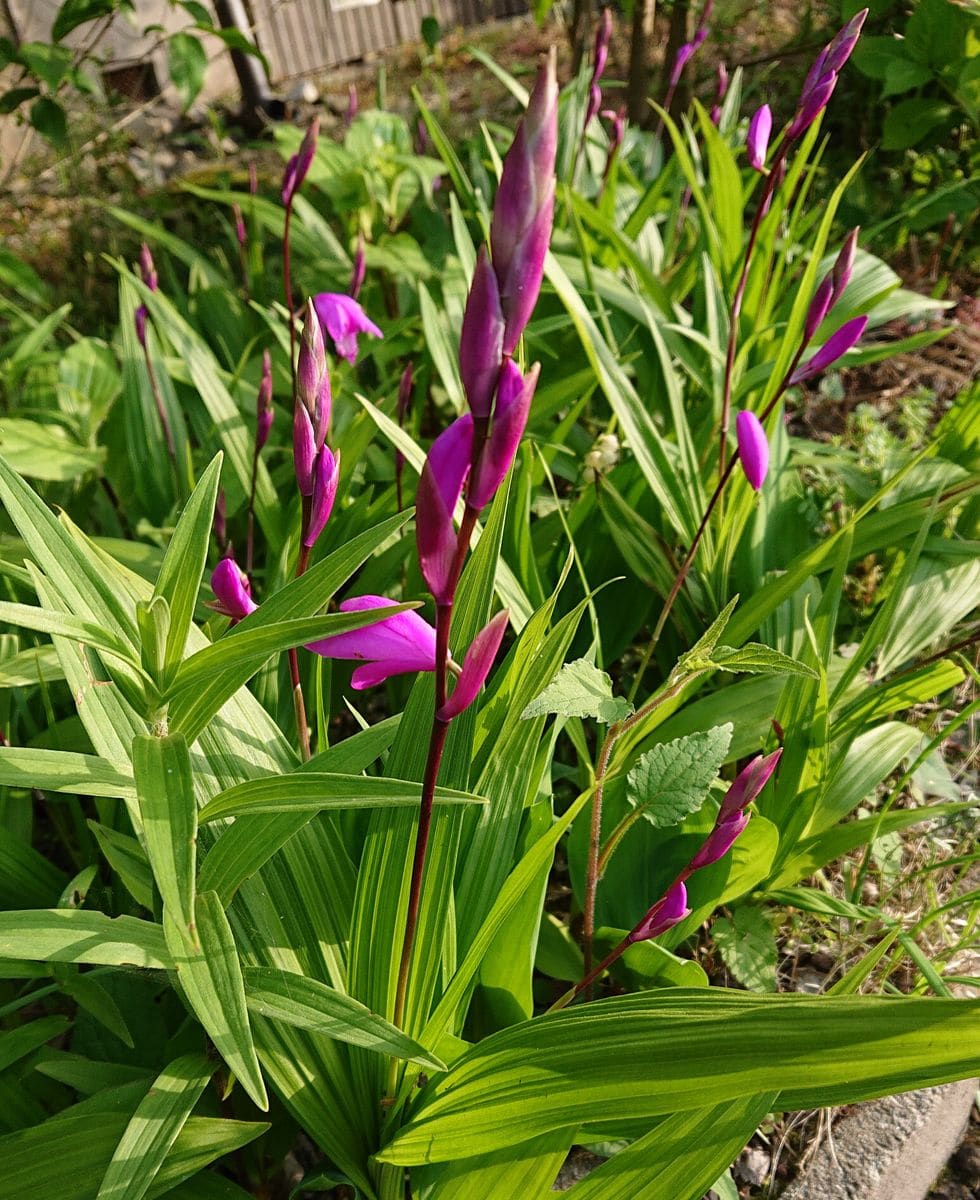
x=395 y=645
x=514 y=395
x=681 y=59
x=148 y=271
x=753 y=448
x=481 y=339
x=300 y=163
x=240 y=232
x=439 y=490
x=813 y=105
x=311 y=412
x=819 y=307
x=757 y=141
x=595 y=103
x=719 y=841
x=476 y=667
x=844 y=265
x=232 y=590
x=842 y=47
x=748 y=784
x=835 y=346
x=344 y=319
x=600 y=51
x=666 y=913
x=264 y=412
x=357 y=275
x=139 y=320
x=524 y=207
x=326 y=476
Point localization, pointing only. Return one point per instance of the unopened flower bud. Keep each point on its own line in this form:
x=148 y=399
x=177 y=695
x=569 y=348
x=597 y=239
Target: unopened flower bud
x=476 y=667
x=757 y=141
x=753 y=448
x=481 y=339
x=326 y=476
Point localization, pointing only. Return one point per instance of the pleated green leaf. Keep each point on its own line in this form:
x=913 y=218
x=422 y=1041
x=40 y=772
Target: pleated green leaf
x=154 y=1127
x=17 y=1043
x=309 y=1004
x=62 y=771
x=208 y=968
x=79 y=935
x=636 y=1057
x=527 y=1170
x=314 y=791
x=165 y=793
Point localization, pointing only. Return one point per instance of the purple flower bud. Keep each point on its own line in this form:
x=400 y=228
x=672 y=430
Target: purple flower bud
x=404 y=394
x=819 y=307
x=719 y=841
x=240 y=232
x=139 y=320
x=666 y=913
x=815 y=74
x=842 y=47
x=844 y=265
x=748 y=784
x=395 y=645
x=481 y=339
x=835 y=346
x=264 y=412
x=440 y=486
x=148 y=271
x=522 y=213
x=312 y=376
x=514 y=396
x=600 y=51
x=232 y=590
x=326 y=476
x=721 y=87
x=344 y=319
x=304 y=449
x=476 y=667
x=811 y=107
x=300 y=163
x=757 y=141
x=352 y=105
x=681 y=59
x=753 y=448
x=618 y=122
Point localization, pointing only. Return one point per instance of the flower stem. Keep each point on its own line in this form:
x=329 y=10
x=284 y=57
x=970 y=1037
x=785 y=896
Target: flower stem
x=287 y=284
x=595 y=837
x=250 y=534
x=299 y=704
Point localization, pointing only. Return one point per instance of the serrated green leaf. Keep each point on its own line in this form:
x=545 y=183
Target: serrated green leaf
x=309 y=1004
x=208 y=968
x=579 y=689
x=80 y=935
x=748 y=947
x=154 y=1128
x=673 y=779
x=165 y=794
x=756 y=659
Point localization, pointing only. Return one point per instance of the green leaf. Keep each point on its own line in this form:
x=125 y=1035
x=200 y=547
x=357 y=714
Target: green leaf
x=180 y=574
x=315 y=791
x=46 y=61
x=79 y=935
x=748 y=947
x=756 y=659
x=76 y=12
x=187 y=60
x=57 y=624
x=63 y=771
x=46 y=451
x=165 y=793
x=659 y=1054
x=89 y=994
x=680 y=1158
x=208 y=969
x=698 y=657
x=49 y=119
x=309 y=1004
x=580 y=689
x=674 y=778
x=912 y=120
x=11 y=100
x=16 y=1044
x=154 y=1128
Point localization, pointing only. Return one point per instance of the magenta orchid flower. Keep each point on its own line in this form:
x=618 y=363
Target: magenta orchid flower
x=481 y=338
x=753 y=448
x=232 y=590
x=476 y=667
x=344 y=319
x=326 y=477
x=510 y=412
x=834 y=348
x=440 y=487
x=395 y=645
x=757 y=141
x=300 y=163
x=664 y=915
x=819 y=307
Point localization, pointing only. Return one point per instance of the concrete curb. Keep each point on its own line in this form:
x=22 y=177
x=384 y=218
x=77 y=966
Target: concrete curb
x=889 y=1149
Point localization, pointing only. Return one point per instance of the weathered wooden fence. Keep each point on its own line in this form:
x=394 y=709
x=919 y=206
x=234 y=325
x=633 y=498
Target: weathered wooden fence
x=302 y=37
